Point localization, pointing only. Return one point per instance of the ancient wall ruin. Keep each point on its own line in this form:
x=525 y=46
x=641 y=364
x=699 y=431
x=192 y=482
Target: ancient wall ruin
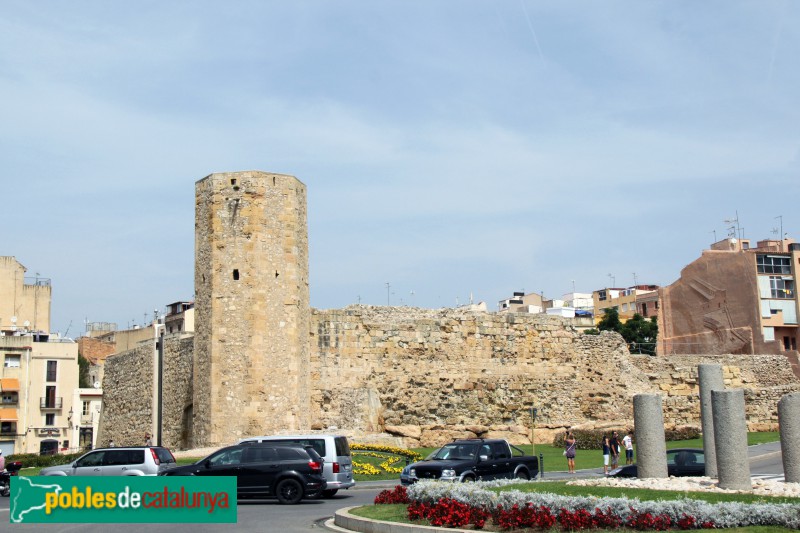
x=431 y=375
x=128 y=409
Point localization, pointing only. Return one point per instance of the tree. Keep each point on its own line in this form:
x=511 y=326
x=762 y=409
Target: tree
x=641 y=334
x=610 y=321
x=83 y=372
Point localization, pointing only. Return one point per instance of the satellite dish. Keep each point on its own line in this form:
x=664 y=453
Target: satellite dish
x=26 y=323
x=733 y=240
x=96 y=385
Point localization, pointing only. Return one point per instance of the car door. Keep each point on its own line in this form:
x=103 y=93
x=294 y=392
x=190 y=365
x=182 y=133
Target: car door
x=502 y=460
x=485 y=467
x=90 y=464
x=259 y=467
x=226 y=462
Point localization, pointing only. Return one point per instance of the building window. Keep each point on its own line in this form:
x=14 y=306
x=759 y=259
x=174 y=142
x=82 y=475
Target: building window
x=601 y=295
x=235 y=274
x=51 y=370
x=781 y=288
x=773 y=264
x=11 y=361
x=10 y=398
x=8 y=428
x=50 y=419
x=85 y=410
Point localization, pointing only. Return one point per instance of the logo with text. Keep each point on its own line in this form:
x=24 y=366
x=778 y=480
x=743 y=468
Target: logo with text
x=158 y=499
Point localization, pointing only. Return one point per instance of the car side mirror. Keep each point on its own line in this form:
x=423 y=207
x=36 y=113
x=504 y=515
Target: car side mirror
x=207 y=464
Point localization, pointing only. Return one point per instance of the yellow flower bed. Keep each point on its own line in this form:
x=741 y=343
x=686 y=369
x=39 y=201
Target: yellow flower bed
x=370 y=450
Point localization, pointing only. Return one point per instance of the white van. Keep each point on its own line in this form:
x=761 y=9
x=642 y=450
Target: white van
x=334 y=449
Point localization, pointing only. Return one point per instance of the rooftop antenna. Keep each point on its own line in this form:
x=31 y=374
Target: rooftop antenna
x=613 y=280
x=781 y=219
x=715 y=234
x=634 y=280
x=388 y=294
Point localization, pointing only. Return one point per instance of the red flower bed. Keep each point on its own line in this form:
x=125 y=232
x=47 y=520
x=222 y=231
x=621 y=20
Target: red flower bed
x=398 y=495
x=451 y=513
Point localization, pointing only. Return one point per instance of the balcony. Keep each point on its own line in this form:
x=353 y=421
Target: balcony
x=86 y=420
x=50 y=402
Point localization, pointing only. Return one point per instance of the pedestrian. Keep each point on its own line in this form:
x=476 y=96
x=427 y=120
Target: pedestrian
x=627 y=441
x=111 y=443
x=606 y=453
x=148 y=441
x=614 y=443
x=2 y=461
x=569 y=451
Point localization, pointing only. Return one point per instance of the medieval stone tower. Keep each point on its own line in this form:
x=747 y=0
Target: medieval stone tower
x=251 y=352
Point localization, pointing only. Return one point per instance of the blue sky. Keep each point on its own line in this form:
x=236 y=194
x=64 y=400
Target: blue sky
x=449 y=148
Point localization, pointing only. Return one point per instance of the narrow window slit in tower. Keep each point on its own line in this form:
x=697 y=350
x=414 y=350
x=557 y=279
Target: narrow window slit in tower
x=235 y=274
x=276 y=273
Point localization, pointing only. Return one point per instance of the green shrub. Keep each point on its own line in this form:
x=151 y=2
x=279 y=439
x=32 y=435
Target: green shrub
x=29 y=460
x=592 y=439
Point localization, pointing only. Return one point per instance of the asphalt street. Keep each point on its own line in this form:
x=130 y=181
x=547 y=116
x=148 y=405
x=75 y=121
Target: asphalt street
x=268 y=515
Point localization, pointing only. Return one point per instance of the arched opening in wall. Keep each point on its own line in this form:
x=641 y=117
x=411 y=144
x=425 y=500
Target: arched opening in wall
x=187 y=430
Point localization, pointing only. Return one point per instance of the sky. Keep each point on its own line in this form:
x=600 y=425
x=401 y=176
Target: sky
x=452 y=149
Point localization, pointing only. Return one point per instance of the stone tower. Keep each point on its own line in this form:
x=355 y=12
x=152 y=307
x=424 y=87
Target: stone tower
x=251 y=352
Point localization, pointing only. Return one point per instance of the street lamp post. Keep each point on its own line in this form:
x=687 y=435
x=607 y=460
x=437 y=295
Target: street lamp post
x=534 y=411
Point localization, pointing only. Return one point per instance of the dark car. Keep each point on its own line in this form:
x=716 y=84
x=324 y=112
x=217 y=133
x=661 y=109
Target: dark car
x=264 y=471
x=474 y=460
x=681 y=462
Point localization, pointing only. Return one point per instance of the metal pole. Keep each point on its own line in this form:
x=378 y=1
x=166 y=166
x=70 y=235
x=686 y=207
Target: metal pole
x=160 y=420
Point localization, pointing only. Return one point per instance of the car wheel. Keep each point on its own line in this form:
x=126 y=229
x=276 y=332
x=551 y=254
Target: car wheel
x=289 y=491
x=469 y=479
x=330 y=493
x=522 y=475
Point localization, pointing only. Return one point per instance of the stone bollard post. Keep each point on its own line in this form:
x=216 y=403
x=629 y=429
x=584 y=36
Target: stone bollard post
x=730 y=439
x=651 y=446
x=710 y=378
x=789 y=420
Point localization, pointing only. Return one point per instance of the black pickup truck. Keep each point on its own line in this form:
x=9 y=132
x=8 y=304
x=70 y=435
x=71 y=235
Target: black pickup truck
x=473 y=460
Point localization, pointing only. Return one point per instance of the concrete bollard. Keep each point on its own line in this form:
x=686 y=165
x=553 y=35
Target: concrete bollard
x=710 y=378
x=789 y=420
x=651 y=446
x=730 y=439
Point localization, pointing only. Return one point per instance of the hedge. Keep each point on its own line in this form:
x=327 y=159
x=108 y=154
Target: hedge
x=592 y=439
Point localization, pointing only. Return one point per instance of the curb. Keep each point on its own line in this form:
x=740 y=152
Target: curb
x=344 y=521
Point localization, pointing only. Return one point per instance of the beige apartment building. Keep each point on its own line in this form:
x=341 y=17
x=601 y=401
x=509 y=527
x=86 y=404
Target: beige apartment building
x=735 y=299
x=38 y=371
x=641 y=299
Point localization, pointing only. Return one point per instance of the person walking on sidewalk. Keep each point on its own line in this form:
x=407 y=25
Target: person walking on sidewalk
x=606 y=453
x=569 y=451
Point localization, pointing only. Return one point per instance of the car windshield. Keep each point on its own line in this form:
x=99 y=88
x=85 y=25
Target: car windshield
x=457 y=451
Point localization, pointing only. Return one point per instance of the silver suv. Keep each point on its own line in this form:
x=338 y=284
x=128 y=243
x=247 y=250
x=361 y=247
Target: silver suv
x=132 y=461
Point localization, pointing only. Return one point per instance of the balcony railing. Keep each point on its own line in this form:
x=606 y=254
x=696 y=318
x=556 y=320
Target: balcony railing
x=86 y=420
x=50 y=403
x=8 y=430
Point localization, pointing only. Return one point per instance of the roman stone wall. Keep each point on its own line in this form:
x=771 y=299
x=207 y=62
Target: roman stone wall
x=427 y=376
x=128 y=395
x=252 y=306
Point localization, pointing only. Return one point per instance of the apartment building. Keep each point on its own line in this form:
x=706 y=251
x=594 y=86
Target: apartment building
x=38 y=371
x=734 y=298
x=641 y=299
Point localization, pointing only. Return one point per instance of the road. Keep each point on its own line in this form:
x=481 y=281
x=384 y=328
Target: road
x=268 y=515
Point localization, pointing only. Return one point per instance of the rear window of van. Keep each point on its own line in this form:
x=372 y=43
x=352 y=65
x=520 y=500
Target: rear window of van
x=342 y=447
